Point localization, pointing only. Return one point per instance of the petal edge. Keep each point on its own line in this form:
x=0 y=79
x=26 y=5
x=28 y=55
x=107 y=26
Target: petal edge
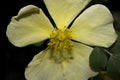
x=95 y=27
x=28 y=27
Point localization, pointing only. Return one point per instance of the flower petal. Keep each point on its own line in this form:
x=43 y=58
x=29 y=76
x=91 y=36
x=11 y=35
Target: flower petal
x=44 y=68
x=78 y=68
x=63 y=12
x=95 y=27
x=28 y=27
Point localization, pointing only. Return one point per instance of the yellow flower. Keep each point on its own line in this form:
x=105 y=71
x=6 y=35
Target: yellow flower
x=67 y=54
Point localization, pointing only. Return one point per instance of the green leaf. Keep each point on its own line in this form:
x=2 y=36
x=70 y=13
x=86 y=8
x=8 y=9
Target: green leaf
x=98 y=59
x=113 y=67
x=38 y=44
x=101 y=76
x=116 y=47
x=116 y=15
x=41 y=43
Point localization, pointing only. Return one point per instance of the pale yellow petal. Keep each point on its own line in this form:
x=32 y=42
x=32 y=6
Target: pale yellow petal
x=28 y=27
x=64 y=11
x=42 y=68
x=95 y=27
x=78 y=68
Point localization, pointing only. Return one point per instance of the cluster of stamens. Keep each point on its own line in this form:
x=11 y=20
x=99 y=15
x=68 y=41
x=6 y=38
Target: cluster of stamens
x=60 y=41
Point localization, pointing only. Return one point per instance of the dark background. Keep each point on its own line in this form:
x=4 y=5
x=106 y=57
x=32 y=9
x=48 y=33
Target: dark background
x=13 y=60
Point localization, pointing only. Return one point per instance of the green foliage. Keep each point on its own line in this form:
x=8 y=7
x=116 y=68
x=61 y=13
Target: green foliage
x=38 y=44
x=98 y=59
x=116 y=48
x=113 y=67
x=116 y=15
x=101 y=76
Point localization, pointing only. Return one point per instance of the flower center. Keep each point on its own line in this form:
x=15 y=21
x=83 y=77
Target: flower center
x=60 y=39
x=60 y=44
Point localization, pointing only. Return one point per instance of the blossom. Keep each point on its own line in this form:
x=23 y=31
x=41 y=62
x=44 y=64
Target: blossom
x=70 y=40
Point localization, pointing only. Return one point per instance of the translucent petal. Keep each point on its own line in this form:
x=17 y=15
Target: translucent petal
x=28 y=27
x=94 y=27
x=43 y=68
x=63 y=12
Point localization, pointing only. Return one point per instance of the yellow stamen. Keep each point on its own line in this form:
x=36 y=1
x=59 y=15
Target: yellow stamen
x=60 y=44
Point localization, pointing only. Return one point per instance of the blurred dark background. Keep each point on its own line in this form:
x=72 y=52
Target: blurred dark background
x=14 y=59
